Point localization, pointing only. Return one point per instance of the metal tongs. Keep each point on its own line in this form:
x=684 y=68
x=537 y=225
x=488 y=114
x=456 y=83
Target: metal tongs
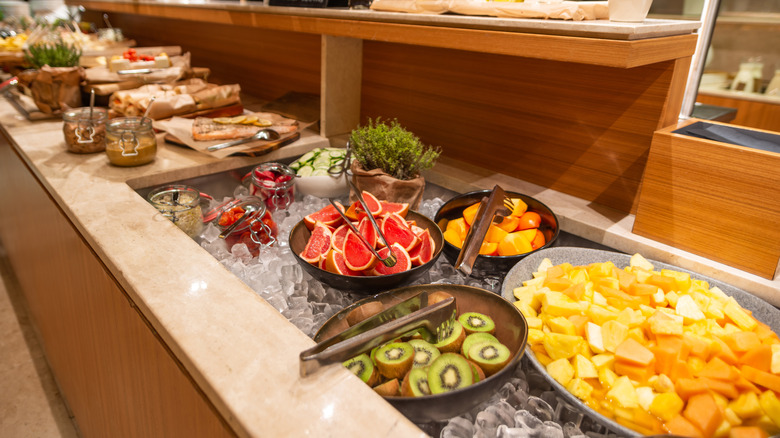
x=496 y=206
x=388 y=261
x=433 y=322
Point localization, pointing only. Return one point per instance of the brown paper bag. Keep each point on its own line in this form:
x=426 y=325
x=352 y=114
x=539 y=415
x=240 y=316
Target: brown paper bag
x=386 y=187
x=54 y=89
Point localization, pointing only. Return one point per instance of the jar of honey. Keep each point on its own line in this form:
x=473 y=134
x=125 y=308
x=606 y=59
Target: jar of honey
x=85 y=129
x=130 y=141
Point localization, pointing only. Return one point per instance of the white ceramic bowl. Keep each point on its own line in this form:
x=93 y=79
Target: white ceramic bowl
x=323 y=186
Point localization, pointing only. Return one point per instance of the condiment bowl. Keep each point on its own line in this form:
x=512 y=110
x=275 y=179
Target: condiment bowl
x=495 y=265
x=299 y=235
x=323 y=186
x=511 y=330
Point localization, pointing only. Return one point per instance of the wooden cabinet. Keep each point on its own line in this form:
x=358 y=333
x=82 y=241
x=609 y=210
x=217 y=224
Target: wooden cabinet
x=118 y=377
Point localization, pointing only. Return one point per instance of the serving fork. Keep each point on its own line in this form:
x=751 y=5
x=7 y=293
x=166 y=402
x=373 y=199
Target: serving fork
x=491 y=208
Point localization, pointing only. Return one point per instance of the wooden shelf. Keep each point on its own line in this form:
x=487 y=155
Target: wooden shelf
x=591 y=46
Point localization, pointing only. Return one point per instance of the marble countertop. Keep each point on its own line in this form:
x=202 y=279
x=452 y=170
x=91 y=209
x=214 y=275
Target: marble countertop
x=212 y=322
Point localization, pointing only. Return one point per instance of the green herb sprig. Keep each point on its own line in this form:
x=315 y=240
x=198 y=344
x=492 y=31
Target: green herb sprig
x=53 y=54
x=390 y=147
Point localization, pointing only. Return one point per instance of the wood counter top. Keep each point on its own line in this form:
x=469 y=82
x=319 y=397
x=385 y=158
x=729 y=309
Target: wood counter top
x=217 y=327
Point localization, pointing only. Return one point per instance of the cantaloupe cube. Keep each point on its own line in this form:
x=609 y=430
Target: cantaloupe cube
x=634 y=353
x=703 y=412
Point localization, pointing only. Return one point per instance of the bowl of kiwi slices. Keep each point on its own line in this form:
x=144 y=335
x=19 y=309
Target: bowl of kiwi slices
x=435 y=381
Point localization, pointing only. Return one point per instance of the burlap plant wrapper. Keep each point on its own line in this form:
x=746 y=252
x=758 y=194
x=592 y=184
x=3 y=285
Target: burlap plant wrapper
x=386 y=187
x=54 y=89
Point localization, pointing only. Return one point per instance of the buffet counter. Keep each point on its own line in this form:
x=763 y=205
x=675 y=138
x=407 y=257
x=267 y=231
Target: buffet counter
x=148 y=333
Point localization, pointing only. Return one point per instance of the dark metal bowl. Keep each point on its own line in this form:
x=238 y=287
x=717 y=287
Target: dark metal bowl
x=495 y=265
x=511 y=330
x=524 y=270
x=299 y=235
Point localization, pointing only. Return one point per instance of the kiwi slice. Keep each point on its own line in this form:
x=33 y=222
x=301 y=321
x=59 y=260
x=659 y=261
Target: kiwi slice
x=474 y=322
x=453 y=342
x=424 y=353
x=415 y=384
x=479 y=375
x=390 y=388
x=362 y=367
x=395 y=359
x=490 y=356
x=449 y=372
x=473 y=339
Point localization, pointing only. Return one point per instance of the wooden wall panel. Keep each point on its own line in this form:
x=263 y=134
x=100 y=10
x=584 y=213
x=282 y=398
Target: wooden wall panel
x=581 y=129
x=117 y=377
x=266 y=63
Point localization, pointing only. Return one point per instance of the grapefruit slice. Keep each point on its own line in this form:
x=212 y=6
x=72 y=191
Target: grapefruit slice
x=318 y=244
x=422 y=253
x=396 y=231
x=338 y=237
x=367 y=230
x=357 y=256
x=402 y=208
x=336 y=263
x=327 y=215
x=373 y=204
x=403 y=261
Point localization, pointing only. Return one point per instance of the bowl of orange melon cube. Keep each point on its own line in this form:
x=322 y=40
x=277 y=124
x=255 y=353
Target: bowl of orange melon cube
x=530 y=227
x=647 y=348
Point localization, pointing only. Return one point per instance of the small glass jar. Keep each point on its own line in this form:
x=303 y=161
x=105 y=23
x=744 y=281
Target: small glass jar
x=274 y=183
x=130 y=141
x=85 y=130
x=247 y=221
x=180 y=204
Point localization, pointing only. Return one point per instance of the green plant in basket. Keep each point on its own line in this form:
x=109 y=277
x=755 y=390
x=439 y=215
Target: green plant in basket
x=52 y=53
x=391 y=148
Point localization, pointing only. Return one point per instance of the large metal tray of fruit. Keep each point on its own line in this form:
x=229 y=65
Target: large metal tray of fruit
x=761 y=310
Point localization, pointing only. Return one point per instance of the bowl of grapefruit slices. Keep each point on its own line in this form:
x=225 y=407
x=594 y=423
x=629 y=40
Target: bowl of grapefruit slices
x=329 y=250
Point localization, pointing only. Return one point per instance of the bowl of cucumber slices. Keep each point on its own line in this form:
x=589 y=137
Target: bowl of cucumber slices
x=313 y=176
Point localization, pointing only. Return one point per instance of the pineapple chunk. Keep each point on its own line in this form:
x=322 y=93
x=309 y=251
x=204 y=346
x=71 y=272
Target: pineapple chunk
x=535 y=336
x=534 y=322
x=527 y=295
x=771 y=406
x=584 y=368
x=536 y=282
x=666 y=405
x=638 y=261
x=599 y=315
x=607 y=377
x=734 y=311
x=688 y=309
x=732 y=417
x=562 y=325
x=672 y=298
x=561 y=370
x=560 y=346
x=624 y=393
x=525 y=309
x=578 y=275
x=683 y=279
x=746 y=406
x=580 y=388
x=630 y=317
x=662 y=323
x=603 y=360
x=598 y=299
x=544 y=265
x=558 y=304
x=593 y=334
x=646 y=395
x=613 y=334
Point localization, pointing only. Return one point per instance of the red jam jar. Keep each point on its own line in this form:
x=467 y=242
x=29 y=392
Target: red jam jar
x=247 y=221
x=274 y=183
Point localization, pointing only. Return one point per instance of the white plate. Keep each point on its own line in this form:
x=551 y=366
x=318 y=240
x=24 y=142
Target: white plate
x=524 y=270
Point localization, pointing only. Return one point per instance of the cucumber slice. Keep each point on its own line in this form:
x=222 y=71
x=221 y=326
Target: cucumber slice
x=308 y=156
x=321 y=161
x=305 y=171
x=320 y=172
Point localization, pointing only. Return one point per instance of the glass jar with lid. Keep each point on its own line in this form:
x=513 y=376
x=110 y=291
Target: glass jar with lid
x=181 y=204
x=130 y=141
x=85 y=129
x=248 y=221
x=274 y=183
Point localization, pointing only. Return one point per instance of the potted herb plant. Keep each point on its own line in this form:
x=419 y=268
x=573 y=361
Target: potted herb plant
x=55 y=78
x=388 y=161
